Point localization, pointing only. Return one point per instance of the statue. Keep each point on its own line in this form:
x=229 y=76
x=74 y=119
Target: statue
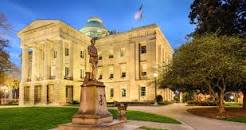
x=92 y=51
x=93 y=113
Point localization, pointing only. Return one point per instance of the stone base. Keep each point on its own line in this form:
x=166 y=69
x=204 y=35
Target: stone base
x=91 y=119
x=105 y=126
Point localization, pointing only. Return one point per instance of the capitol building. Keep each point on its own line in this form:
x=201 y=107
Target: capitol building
x=55 y=59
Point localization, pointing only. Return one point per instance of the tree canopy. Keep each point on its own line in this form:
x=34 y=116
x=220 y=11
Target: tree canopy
x=224 y=17
x=209 y=63
x=5 y=63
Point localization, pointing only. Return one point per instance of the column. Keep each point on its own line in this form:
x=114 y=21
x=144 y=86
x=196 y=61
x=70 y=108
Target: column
x=46 y=60
x=71 y=59
x=34 y=66
x=137 y=61
x=59 y=60
x=21 y=94
x=44 y=93
x=25 y=64
x=32 y=101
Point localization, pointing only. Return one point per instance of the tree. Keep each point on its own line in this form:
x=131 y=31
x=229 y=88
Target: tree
x=210 y=63
x=5 y=63
x=225 y=17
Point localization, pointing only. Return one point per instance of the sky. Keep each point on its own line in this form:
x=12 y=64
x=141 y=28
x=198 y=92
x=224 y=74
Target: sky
x=118 y=15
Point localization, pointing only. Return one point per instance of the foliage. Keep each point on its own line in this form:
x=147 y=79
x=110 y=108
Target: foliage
x=5 y=63
x=226 y=17
x=201 y=103
x=210 y=63
x=241 y=119
x=11 y=81
x=43 y=118
x=233 y=104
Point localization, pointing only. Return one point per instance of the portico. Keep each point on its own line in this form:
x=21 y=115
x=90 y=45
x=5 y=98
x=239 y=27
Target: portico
x=47 y=72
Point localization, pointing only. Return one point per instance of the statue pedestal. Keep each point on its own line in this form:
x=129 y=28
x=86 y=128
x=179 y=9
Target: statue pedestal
x=93 y=113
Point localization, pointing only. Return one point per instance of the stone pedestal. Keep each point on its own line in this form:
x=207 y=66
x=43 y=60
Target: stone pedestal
x=93 y=113
x=114 y=125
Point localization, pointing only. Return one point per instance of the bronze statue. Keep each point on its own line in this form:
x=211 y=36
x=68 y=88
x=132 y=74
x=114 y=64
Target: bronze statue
x=92 y=51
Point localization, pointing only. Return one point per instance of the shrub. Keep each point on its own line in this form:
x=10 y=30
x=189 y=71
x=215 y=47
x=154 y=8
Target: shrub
x=201 y=103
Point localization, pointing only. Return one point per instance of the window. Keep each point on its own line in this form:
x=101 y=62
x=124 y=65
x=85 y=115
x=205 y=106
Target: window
x=66 y=72
x=143 y=69
x=99 y=72
x=66 y=52
x=82 y=73
x=123 y=74
x=111 y=76
x=100 y=58
x=143 y=91
x=111 y=92
x=100 y=76
x=143 y=49
x=123 y=92
x=111 y=71
x=123 y=70
x=122 y=52
x=143 y=73
x=52 y=71
x=111 y=54
x=82 y=55
x=55 y=54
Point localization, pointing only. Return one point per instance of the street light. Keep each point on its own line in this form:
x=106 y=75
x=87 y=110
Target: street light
x=155 y=76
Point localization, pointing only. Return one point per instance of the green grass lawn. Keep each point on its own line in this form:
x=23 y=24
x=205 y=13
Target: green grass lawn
x=233 y=104
x=43 y=118
x=237 y=119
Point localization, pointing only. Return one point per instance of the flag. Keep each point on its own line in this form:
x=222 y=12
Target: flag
x=139 y=13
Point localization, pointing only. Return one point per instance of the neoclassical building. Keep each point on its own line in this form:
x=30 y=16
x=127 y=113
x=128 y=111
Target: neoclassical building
x=55 y=59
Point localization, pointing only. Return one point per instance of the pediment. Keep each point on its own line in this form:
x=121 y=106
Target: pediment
x=37 y=24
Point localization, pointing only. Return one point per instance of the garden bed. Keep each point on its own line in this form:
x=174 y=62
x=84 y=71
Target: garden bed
x=231 y=114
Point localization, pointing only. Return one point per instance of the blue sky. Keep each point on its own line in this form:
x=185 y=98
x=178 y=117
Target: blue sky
x=170 y=15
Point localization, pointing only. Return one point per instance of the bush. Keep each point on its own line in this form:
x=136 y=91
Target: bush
x=147 y=103
x=201 y=103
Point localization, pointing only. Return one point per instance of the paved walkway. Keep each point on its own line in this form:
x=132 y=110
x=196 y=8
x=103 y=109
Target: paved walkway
x=137 y=124
x=178 y=111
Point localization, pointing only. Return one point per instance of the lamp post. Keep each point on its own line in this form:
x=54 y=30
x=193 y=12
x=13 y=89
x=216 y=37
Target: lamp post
x=155 y=76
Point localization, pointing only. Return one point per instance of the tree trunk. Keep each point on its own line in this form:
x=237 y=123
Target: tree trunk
x=244 y=98
x=221 y=102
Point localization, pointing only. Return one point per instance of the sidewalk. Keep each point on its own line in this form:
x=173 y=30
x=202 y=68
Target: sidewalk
x=137 y=124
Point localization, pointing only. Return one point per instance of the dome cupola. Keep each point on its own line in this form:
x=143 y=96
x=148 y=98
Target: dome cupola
x=94 y=28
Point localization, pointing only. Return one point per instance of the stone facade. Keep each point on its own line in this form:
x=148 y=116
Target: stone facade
x=55 y=59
